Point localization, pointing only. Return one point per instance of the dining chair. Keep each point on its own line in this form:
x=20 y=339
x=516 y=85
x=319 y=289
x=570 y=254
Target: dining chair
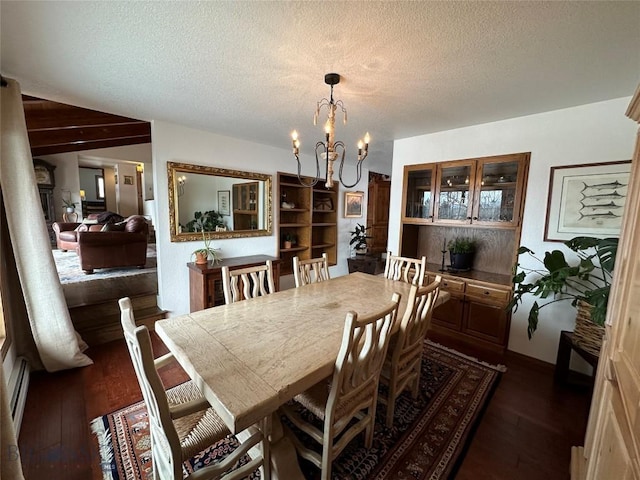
x=401 y=369
x=346 y=402
x=410 y=270
x=181 y=421
x=249 y=282
x=310 y=271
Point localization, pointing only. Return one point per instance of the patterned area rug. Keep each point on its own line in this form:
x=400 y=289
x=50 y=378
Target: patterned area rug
x=427 y=441
x=69 y=271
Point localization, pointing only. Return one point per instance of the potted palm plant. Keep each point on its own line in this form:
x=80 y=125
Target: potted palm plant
x=462 y=251
x=69 y=206
x=586 y=284
x=359 y=239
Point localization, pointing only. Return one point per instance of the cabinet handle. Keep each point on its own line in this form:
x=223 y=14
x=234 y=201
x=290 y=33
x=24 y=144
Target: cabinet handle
x=487 y=293
x=430 y=216
x=468 y=218
x=475 y=218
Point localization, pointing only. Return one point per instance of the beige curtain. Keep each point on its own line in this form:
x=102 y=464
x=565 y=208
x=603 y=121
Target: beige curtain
x=58 y=344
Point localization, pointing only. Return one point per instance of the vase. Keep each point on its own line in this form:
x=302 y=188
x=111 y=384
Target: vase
x=461 y=262
x=587 y=334
x=201 y=258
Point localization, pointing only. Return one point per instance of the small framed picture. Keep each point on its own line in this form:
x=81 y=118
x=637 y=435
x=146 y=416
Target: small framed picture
x=586 y=199
x=128 y=180
x=223 y=202
x=353 y=204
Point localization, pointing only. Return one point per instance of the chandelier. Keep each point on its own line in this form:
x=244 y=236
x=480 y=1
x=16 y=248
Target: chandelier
x=329 y=150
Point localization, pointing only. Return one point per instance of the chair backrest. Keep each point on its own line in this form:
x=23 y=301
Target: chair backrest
x=415 y=322
x=310 y=271
x=359 y=362
x=165 y=443
x=410 y=270
x=247 y=282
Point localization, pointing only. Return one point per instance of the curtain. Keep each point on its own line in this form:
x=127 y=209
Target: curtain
x=59 y=346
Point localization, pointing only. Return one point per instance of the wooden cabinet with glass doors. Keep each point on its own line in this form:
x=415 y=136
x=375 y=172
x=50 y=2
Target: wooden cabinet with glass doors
x=484 y=191
x=245 y=206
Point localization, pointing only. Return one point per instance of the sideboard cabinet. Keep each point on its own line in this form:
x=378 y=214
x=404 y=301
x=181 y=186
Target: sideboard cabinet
x=205 y=281
x=476 y=312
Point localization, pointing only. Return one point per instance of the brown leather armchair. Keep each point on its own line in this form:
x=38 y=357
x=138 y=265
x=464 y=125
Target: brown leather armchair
x=67 y=233
x=114 y=248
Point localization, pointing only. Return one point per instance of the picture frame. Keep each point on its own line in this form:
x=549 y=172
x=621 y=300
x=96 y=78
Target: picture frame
x=353 y=204
x=224 y=207
x=128 y=180
x=586 y=200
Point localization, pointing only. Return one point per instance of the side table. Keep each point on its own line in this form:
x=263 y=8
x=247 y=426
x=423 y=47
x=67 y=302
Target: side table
x=565 y=347
x=365 y=264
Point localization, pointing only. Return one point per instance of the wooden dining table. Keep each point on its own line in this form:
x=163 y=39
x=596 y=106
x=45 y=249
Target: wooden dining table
x=250 y=357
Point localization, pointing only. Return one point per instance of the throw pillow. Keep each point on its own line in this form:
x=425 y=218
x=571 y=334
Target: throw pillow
x=113 y=227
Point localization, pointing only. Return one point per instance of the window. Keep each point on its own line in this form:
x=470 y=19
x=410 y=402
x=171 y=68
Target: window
x=99 y=187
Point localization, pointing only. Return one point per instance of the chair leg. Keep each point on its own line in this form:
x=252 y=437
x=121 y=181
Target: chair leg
x=327 y=460
x=416 y=382
x=369 y=430
x=391 y=407
x=265 y=470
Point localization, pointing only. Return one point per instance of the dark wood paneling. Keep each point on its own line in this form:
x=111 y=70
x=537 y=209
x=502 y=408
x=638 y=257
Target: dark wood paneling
x=57 y=128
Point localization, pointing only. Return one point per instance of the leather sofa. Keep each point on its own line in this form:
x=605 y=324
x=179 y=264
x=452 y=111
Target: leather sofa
x=121 y=244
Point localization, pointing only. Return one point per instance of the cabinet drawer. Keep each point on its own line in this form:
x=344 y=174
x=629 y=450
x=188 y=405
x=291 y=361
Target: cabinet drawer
x=451 y=285
x=491 y=295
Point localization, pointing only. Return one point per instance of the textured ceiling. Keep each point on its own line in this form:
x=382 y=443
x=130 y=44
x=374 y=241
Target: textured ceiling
x=254 y=70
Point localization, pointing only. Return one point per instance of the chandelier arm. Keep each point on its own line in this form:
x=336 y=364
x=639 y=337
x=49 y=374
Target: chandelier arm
x=302 y=182
x=340 y=144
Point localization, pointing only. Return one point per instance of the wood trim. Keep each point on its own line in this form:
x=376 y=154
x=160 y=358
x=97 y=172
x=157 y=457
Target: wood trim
x=633 y=111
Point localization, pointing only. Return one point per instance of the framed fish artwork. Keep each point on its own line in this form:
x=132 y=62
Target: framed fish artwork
x=586 y=200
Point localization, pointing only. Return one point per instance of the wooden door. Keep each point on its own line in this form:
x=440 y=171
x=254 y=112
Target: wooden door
x=378 y=214
x=612 y=444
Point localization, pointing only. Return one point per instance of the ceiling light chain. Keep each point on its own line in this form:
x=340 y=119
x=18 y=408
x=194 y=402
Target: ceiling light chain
x=328 y=150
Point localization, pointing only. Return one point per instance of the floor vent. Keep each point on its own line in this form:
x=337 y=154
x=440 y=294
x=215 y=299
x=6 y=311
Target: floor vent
x=18 y=386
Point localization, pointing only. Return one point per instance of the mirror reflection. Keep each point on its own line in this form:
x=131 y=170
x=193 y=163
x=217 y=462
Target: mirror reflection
x=225 y=203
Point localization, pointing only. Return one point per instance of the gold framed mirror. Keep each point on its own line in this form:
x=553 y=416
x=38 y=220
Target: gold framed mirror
x=225 y=203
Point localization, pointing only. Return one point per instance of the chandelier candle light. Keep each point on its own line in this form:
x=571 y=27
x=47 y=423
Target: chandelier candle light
x=328 y=150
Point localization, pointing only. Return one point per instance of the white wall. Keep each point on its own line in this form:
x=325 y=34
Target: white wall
x=176 y=143
x=68 y=178
x=598 y=132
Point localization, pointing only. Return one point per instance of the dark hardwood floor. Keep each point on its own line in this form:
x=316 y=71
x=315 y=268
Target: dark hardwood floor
x=526 y=432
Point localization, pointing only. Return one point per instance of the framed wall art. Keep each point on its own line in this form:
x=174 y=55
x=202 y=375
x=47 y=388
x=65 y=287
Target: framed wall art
x=353 y=204
x=223 y=202
x=128 y=180
x=586 y=199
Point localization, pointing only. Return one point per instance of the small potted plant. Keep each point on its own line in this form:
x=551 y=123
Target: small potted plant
x=586 y=284
x=69 y=206
x=289 y=240
x=206 y=253
x=462 y=251
x=359 y=239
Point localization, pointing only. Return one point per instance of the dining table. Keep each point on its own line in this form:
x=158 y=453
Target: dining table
x=250 y=357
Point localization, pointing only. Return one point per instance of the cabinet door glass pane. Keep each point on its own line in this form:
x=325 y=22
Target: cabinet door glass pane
x=498 y=192
x=454 y=193
x=419 y=194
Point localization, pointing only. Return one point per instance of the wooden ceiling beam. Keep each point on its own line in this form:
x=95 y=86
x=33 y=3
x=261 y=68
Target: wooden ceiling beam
x=57 y=128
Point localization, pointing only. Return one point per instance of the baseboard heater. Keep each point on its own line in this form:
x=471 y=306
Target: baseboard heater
x=18 y=386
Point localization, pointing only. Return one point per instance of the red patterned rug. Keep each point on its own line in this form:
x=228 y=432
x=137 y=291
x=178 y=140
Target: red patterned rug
x=427 y=441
